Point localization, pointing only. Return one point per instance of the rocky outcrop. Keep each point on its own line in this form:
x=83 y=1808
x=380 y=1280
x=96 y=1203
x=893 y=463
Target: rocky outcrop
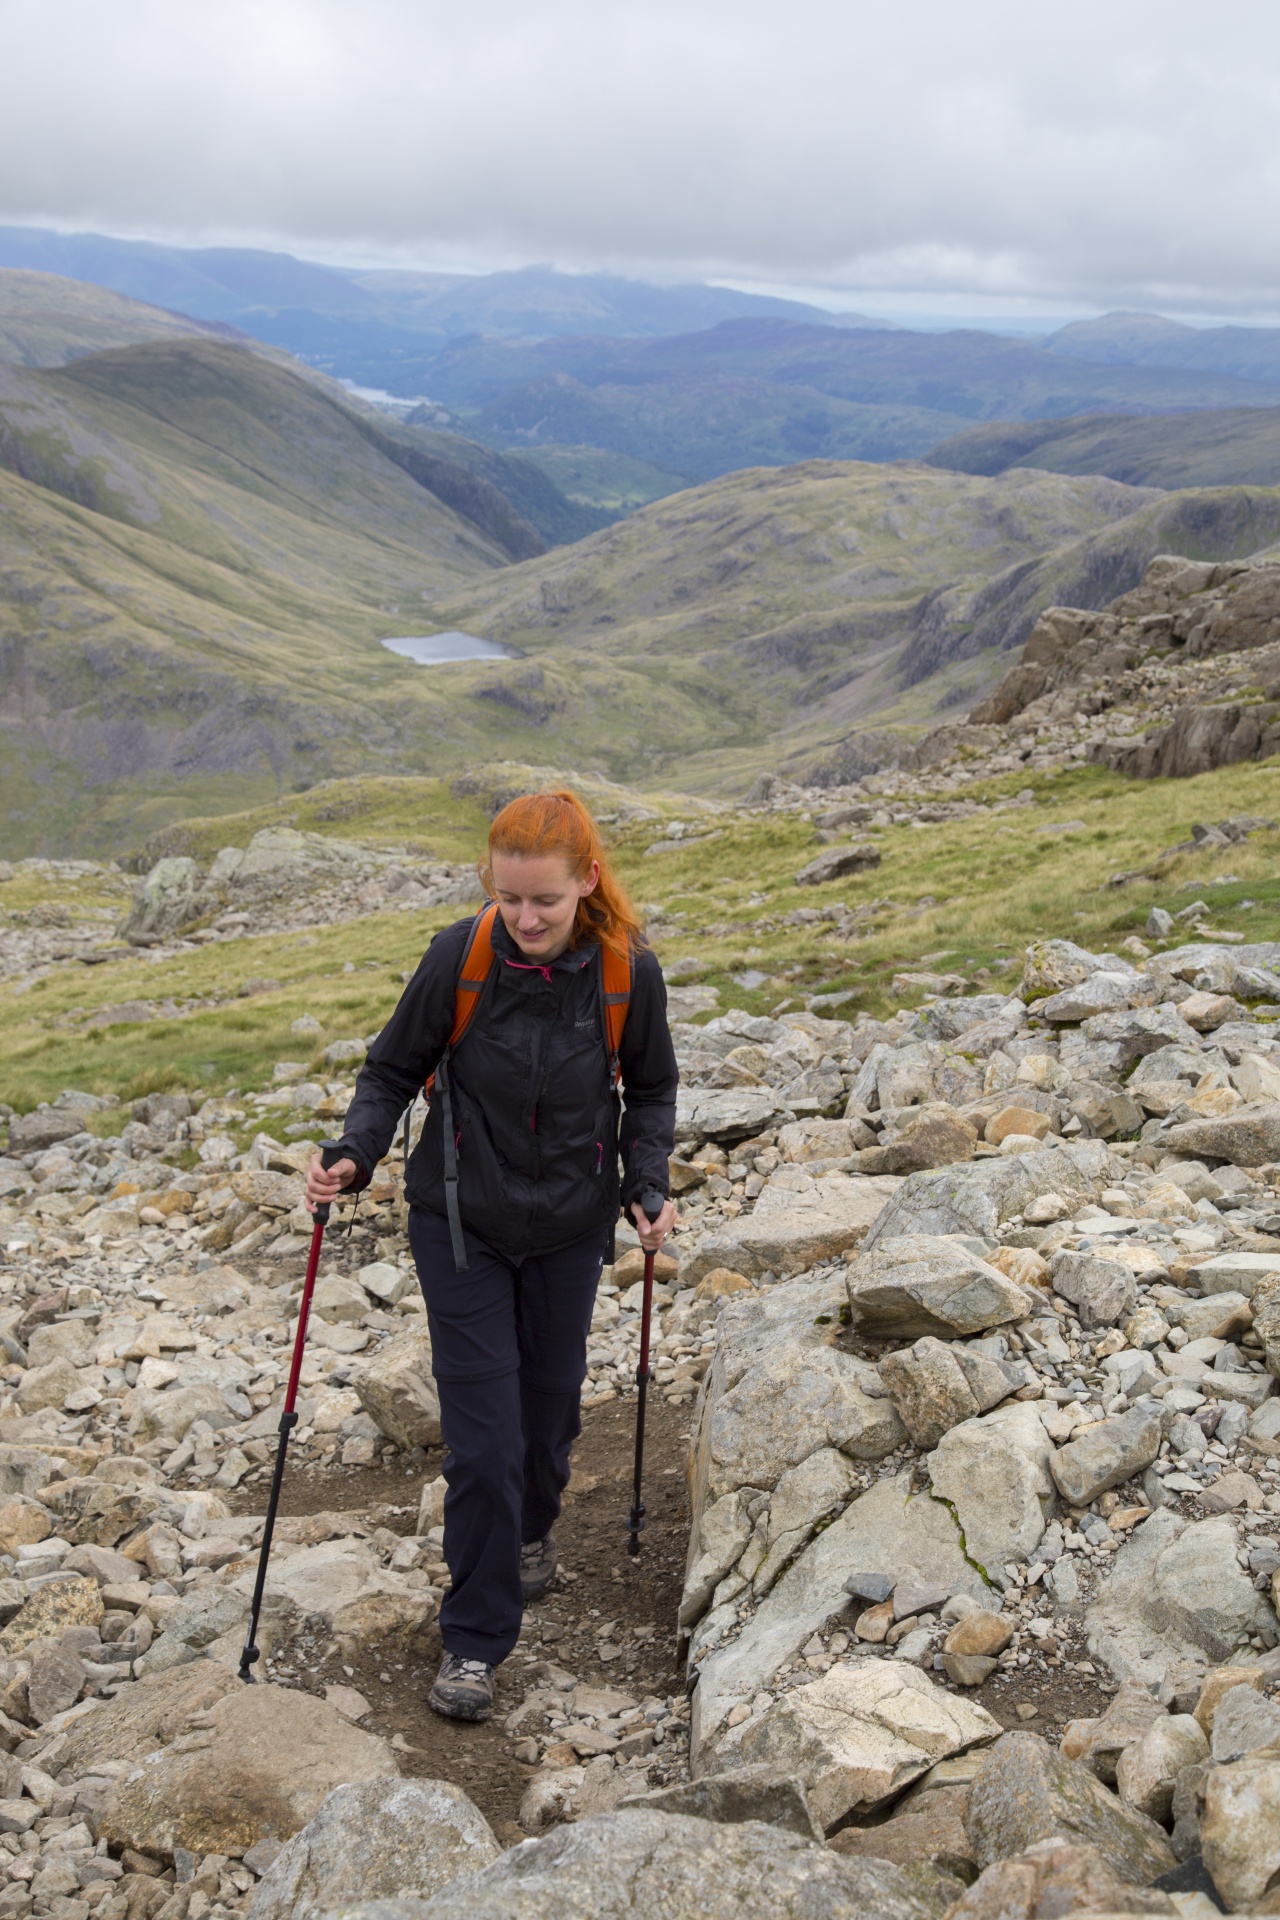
x=1184 y=612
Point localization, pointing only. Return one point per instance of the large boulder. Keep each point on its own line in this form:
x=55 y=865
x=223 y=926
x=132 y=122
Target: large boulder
x=1106 y=1453
x=886 y=1531
x=919 y=1285
x=935 y=1385
x=638 y=1860
x=797 y=1222
x=1249 y=1137
x=1240 y=1827
x=334 y=1577
x=1102 y=1291
x=1053 y=965
x=256 y=1765
x=1053 y=1877
x=779 y=1342
x=1026 y=1792
x=834 y=862
x=977 y=1196
x=45 y=1127
x=1175 y=1592
x=380 y=1840
x=726 y=1116
x=995 y=1473
x=862 y=1733
x=144 y=1717
x=807 y=1396
x=167 y=900
x=397 y=1391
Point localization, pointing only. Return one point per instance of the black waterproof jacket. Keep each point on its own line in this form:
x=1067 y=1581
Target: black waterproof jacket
x=534 y=1114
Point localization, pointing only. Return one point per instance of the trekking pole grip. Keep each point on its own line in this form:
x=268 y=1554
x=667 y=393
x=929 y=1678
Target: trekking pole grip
x=331 y=1151
x=651 y=1203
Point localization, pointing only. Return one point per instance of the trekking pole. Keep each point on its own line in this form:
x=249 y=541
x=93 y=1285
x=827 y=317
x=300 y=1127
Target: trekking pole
x=330 y=1152
x=651 y=1204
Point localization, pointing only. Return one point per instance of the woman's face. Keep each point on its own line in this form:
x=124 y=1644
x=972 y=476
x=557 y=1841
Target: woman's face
x=538 y=897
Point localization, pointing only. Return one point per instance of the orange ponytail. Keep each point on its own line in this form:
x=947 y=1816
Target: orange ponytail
x=559 y=823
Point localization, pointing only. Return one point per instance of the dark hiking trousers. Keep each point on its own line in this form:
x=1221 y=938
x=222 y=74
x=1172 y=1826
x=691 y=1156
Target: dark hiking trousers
x=509 y=1353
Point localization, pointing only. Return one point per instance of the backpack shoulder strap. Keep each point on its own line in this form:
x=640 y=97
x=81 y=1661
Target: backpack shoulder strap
x=474 y=971
x=616 y=971
x=477 y=965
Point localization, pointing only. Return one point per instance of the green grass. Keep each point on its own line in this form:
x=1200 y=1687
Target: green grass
x=46 y=320
x=994 y=883
x=597 y=478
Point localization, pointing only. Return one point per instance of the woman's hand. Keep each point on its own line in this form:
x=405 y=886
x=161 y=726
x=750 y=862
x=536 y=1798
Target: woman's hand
x=653 y=1232
x=324 y=1184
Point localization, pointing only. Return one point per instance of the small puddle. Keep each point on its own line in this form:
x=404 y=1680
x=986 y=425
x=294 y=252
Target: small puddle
x=439 y=649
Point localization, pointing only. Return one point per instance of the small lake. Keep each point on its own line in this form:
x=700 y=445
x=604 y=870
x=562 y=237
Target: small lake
x=437 y=649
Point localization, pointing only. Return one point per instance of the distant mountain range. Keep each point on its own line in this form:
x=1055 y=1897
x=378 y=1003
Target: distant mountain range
x=580 y=372
x=203 y=543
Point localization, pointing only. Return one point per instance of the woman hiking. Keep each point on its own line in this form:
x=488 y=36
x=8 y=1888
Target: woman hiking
x=524 y=1019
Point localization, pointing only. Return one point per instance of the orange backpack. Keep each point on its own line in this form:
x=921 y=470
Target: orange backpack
x=473 y=977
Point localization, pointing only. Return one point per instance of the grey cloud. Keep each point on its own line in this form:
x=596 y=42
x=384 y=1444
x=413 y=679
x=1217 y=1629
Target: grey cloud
x=1117 y=153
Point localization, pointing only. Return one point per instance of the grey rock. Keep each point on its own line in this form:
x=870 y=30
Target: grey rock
x=257 y=1765
x=915 y=1285
x=1105 y=1454
x=1025 y=1792
x=1053 y=965
x=33 y=1132
x=994 y=1472
x=1099 y=993
x=1244 y=1721
x=613 y=1866
x=1249 y=1137
x=860 y=1734
x=975 y=1197
x=1102 y=1291
x=834 y=862
x=807 y=1494
x=929 y=1389
x=1147 y=1770
x=165 y=901
x=1139 y=1032
x=886 y=1530
x=726 y=1116
x=777 y=1390
x=722 y=1532
x=797 y=1222
x=1175 y=1592
x=379 y=1840
x=397 y=1390
x=1240 y=1828
x=741 y=1793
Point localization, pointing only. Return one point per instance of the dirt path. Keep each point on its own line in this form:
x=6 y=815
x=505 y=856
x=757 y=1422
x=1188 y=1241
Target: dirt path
x=609 y=1619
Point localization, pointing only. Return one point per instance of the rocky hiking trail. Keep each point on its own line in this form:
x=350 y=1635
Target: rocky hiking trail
x=964 y=1484
x=607 y=1619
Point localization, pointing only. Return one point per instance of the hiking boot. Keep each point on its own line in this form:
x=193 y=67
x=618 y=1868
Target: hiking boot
x=463 y=1689
x=538 y=1563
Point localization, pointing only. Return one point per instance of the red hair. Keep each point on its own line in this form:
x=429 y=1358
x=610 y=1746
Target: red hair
x=558 y=823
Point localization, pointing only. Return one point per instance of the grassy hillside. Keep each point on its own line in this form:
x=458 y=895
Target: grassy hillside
x=767 y=604
x=199 y=552
x=1234 y=446
x=962 y=895
x=45 y=320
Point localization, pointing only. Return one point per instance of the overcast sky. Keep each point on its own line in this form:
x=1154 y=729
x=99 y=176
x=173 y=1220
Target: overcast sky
x=1107 y=153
